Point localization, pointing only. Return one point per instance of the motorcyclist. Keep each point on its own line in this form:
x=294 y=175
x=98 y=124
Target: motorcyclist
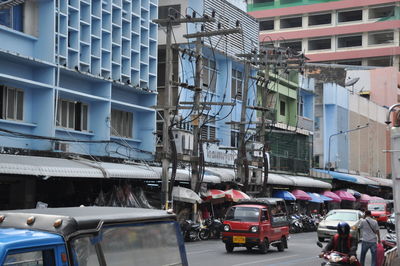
x=342 y=242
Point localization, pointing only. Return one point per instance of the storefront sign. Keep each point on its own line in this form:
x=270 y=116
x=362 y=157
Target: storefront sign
x=215 y=154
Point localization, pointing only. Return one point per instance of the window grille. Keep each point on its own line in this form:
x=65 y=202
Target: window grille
x=12 y=103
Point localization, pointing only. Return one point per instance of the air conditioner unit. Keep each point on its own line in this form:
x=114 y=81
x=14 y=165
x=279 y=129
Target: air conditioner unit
x=257 y=150
x=59 y=146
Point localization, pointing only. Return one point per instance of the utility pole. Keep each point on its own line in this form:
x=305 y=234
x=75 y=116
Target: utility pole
x=242 y=161
x=195 y=179
x=168 y=101
x=263 y=138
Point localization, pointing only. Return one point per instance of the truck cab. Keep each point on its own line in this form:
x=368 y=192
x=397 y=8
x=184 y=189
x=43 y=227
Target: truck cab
x=90 y=236
x=260 y=223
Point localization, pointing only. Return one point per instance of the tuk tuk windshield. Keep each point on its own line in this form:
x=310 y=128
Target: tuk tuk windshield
x=142 y=244
x=244 y=214
x=376 y=207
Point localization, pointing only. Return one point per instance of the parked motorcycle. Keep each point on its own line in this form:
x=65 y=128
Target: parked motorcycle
x=191 y=231
x=334 y=258
x=295 y=224
x=390 y=241
x=212 y=229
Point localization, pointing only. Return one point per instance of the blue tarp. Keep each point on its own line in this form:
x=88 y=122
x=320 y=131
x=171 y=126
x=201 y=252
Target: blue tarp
x=283 y=194
x=339 y=176
x=324 y=198
x=315 y=198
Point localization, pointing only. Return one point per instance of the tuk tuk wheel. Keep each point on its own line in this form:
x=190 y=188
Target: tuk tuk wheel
x=281 y=245
x=229 y=247
x=263 y=247
x=249 y=248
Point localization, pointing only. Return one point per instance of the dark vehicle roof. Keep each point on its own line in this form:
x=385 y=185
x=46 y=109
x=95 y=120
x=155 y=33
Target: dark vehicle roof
x=262 y=201
x=78 y=219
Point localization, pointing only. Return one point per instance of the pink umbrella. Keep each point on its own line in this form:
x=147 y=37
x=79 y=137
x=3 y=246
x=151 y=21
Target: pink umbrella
x=344 y=195
x=376 y=199
x=332 y=195
x=236 y=195
x=301 y=195
x=214 y=194
x=364 y=198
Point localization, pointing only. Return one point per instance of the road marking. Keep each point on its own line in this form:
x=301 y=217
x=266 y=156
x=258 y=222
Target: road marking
x=267 y=260
x=199 y=252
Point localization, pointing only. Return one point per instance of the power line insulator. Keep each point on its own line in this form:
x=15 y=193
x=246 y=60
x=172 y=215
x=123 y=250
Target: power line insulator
x=237 y=23
x=213 y=14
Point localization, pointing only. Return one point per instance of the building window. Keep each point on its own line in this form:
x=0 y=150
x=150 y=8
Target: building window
x=320 y=19
x=296 y=22
x=209 y=75
x=319 y=44
x=295 y=45
x=283 y=108
x=267 y=25
x=72 y=115
x=350 y=62
x=301 y=106
x=208 y=129
x=380 y=61
x=349 y=16
x=12 y=103
x=121 y=123
x=167 y=11
x=317 y=123
x=237 y=84
x=375 y=38
x=384 y=12
x=349 y=41
x=12 y=17
x=234 y=135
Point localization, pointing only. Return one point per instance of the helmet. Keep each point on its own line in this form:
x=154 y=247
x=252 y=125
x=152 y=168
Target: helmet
x=343 y=228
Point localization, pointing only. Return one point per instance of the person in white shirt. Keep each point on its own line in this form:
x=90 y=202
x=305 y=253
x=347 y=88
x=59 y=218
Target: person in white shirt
x=369 y=235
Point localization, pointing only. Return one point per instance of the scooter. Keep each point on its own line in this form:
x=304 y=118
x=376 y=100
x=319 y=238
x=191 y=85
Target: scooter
x=190 y=230
x=334 y=258
x=212 y=229
x=390 y=241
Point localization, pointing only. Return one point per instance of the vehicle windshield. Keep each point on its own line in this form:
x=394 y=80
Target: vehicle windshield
x=376 y=207
x=130 y=245
x=245 y=214
x=341 y=216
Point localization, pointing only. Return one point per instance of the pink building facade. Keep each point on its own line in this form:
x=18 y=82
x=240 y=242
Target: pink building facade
x=352 y=32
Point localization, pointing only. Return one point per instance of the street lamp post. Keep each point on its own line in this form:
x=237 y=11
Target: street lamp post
x=339 y=133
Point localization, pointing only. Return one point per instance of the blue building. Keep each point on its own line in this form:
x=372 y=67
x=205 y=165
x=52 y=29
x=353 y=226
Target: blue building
x=77 y=80
x=79 y=76
x=222 y=74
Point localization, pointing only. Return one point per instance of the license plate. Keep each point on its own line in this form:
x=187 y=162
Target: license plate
x=239 y=239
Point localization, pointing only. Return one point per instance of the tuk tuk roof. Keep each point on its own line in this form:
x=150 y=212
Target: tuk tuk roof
x=75 y=219
x=262 y=201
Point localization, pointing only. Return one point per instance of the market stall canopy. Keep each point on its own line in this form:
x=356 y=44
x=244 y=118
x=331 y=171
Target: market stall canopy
x=357 y=179
x=324 y=198
x=212 y=194
x=377 y=199
x=185 y=195
x=283 y=194
x=236 y=195
x=344 y=195
x=315 y=198
x=301 y=195
x=353 y=192
x=364 y=198
x=332 y=195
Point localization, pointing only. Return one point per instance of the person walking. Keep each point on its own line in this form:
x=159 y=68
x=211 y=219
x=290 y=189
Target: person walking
x=369 y=235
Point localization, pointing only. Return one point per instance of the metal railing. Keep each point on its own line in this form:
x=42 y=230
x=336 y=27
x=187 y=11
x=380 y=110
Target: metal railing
x=390 y=256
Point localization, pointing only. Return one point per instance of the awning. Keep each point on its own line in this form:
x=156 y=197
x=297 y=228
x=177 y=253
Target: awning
x=358 y=179
x=276 y=179
x=384 y=182
x=303 y=181
x=225 y=174
x=82 y=168
x=283 y=194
